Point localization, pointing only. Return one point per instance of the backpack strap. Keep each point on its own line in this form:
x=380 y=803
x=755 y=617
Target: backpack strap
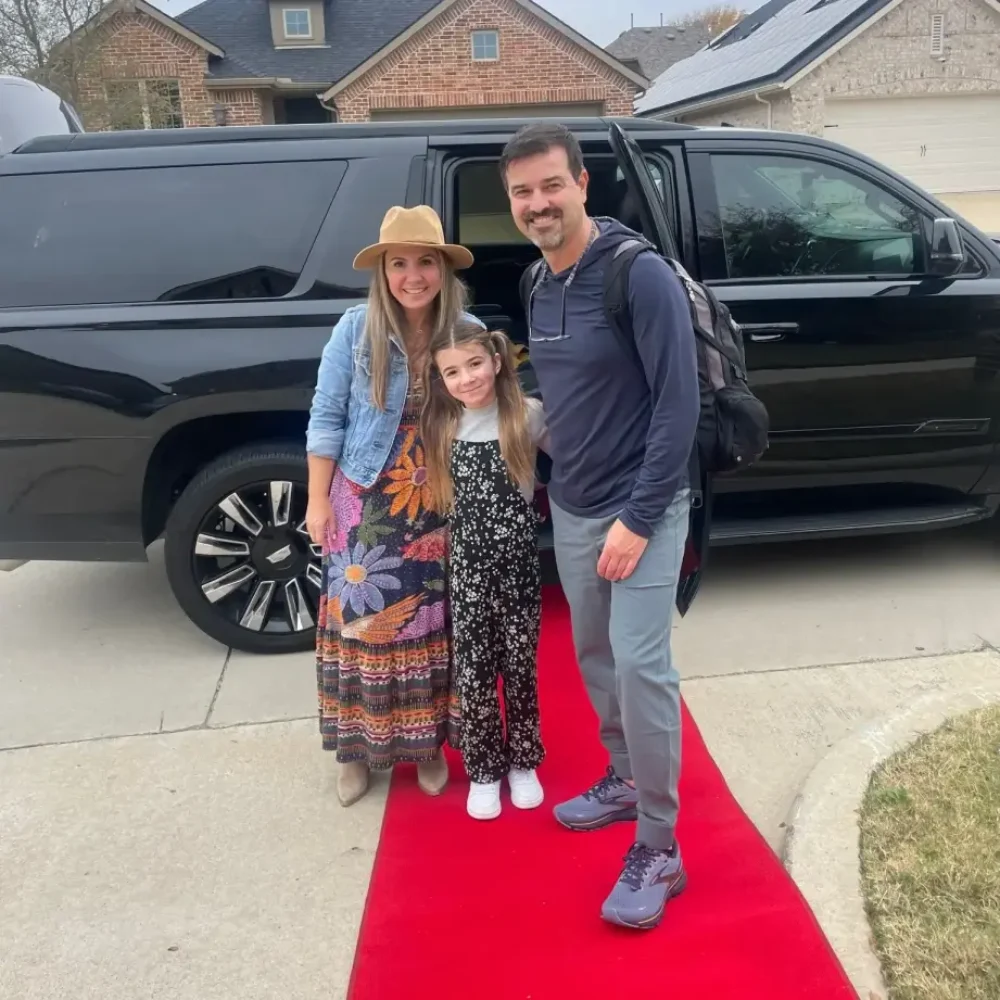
x=616 y=292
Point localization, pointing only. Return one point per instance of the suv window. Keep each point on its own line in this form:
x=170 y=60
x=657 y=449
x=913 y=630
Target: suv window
x=786 y=216
x=160 y=234
x=484 y=217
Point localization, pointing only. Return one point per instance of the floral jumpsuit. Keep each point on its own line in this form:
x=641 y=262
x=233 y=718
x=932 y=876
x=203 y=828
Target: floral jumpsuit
x=495 y=587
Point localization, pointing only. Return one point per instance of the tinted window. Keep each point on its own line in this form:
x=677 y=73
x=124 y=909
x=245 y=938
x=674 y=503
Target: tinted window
x=785 y=216
x=372 y=186
x=161 y=234
x=484 y=214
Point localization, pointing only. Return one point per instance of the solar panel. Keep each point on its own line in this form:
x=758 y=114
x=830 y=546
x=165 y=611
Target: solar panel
x=763 y=51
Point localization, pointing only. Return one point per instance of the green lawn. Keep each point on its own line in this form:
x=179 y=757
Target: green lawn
x=930 y=860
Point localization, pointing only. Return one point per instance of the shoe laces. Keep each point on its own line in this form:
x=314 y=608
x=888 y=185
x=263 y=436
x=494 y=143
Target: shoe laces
x=638 y=861
x=601 y=789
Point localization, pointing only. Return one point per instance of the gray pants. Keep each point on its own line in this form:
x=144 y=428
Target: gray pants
x=622 y=636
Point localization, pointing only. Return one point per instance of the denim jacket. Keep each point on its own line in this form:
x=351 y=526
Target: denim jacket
x=344 y=424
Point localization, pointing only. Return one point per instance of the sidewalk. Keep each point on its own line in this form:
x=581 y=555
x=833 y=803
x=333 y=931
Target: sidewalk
x=214 y=862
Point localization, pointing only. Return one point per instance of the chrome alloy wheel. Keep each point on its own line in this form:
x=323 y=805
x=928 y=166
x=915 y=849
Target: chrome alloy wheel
x=254 y=561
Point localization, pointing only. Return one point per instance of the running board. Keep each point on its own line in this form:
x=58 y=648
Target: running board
x=883 y=521
x=803 y=527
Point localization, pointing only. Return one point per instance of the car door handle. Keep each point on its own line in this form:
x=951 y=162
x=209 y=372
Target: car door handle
x=766 y=333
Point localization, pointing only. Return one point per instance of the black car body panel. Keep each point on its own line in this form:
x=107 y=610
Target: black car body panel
x=185 y=318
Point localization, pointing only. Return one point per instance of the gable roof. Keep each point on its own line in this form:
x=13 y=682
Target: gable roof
x=355 y=29
x=109 y=10
x=359 y=34
x=658 y=48
x=768 y=47
x=442 y=6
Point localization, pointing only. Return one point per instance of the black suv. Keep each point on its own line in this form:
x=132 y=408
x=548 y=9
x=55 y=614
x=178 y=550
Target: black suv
x=165 y=297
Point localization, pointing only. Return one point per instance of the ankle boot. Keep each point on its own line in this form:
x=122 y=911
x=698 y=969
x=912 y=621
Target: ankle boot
x=352 y=781
x=432 y=775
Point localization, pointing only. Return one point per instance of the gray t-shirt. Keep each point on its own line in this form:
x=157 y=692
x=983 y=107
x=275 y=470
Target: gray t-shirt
x=482 y=425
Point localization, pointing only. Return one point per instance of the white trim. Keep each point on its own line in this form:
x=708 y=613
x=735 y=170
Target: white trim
x=130 y=6
x=859 y=30
x=845 y=41
x=290 y=36
x=585 y=43
x=483 y=33
x=724 y=101
x=435 y=12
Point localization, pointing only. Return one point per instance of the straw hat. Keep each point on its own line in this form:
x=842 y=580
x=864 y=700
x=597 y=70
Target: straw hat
x=418 y=227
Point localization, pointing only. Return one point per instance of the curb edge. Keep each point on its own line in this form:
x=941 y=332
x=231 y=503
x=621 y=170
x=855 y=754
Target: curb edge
x=822 y=839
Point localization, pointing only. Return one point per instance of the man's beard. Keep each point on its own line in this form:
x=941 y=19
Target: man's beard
x=551 y=239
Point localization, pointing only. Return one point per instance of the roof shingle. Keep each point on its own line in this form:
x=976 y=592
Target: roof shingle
x=355 y=31
x=656 y=49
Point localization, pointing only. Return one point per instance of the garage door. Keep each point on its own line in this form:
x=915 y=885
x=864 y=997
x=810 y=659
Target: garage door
x=943 y=144
x=489 y=111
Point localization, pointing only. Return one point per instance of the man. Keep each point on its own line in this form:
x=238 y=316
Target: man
x=622 y=435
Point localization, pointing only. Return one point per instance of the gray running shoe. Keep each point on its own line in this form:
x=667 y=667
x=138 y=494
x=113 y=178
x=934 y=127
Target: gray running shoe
x=606 y=801
x=649 y=879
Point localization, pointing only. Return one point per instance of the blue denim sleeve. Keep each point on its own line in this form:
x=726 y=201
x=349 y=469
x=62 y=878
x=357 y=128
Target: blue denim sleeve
x=328 y=413
x=665 y=340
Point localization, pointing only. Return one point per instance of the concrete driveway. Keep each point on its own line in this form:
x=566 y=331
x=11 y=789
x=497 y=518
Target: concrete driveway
x=168 y=823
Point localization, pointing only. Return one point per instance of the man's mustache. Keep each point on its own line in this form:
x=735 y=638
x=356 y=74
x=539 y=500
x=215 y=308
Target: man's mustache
x=531 y=216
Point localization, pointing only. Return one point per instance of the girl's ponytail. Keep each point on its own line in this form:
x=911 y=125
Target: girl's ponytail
x=515 y=438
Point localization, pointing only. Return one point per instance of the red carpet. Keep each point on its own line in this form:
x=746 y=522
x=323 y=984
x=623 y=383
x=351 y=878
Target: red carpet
x=508 y=910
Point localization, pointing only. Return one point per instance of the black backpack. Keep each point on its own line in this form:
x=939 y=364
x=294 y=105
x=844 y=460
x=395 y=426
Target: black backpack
x=734 y=423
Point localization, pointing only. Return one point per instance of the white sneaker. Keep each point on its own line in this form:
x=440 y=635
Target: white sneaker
x=484 y=800
x=525 y=789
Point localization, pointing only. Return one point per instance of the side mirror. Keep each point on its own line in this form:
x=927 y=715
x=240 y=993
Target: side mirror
x=947 y=254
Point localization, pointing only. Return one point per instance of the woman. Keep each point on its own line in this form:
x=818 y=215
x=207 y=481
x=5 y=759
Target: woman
x=383 y=645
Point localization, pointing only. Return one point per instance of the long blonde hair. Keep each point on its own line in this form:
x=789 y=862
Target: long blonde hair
x=442 y=412
x=386 y=317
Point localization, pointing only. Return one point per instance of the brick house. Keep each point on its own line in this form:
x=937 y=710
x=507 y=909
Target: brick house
x=247 y=62
x=914 y=84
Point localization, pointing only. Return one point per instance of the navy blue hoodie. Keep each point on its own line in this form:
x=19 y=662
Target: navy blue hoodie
x=621 y=437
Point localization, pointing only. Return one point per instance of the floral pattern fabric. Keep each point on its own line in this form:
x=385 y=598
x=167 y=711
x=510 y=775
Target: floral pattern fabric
x=383 y=651
x=496 y=599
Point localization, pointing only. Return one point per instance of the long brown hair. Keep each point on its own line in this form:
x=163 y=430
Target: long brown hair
x=442 y=412
x=386 y=317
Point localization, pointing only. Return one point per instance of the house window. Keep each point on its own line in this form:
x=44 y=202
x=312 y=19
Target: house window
x=485 y=46
x=937 y=34
x=143 y=104
x=298 y=23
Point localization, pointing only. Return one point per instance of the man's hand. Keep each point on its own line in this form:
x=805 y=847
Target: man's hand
x=621 y=555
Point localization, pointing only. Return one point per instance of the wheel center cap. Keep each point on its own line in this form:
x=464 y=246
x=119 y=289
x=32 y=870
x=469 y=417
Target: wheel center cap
x=279 y=556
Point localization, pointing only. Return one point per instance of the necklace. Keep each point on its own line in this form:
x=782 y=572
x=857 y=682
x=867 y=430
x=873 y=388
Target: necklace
x=594 y=232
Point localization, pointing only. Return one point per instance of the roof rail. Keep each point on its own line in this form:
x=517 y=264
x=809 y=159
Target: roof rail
x=167 y=137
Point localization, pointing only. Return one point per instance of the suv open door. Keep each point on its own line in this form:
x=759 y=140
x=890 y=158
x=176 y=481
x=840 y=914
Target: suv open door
x=657 y=229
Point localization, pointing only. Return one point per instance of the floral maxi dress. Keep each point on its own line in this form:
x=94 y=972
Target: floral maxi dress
x=383 y=651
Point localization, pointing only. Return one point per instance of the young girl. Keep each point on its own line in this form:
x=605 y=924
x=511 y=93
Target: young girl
x=481 y=436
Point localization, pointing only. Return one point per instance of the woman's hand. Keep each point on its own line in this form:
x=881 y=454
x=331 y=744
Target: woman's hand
x=320 y=522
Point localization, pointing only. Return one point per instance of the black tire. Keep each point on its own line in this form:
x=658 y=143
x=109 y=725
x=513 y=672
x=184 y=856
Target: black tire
x=256 y=591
